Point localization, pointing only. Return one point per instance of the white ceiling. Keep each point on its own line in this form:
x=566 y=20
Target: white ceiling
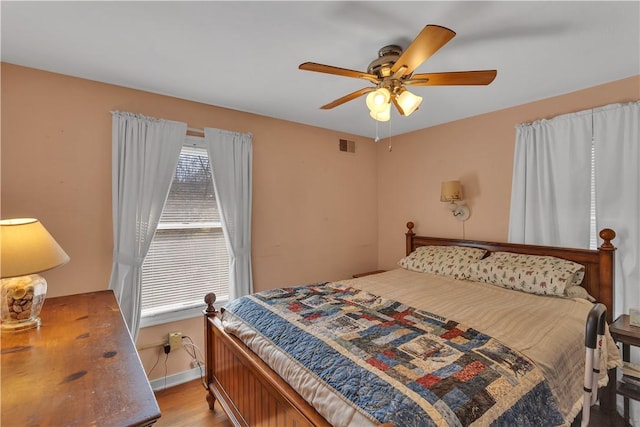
x=245 y=55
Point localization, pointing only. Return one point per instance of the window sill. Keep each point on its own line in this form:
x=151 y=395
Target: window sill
x=175 y=315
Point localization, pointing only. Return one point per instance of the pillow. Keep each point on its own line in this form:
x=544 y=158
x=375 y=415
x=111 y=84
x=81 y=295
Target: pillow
x=557 y=264
x=578 y=292
x=452 y=261
x=542 y=275
x=578 y=278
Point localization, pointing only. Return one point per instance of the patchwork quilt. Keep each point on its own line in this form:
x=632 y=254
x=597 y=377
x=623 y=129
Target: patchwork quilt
x=397 y=364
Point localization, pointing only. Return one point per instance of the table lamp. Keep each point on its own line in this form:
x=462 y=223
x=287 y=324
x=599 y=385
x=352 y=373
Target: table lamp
x=27 y=248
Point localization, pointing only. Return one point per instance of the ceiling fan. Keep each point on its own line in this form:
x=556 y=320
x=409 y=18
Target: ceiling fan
x=393 y=70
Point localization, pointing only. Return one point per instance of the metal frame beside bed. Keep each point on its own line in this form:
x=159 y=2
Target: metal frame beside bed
x=252 y=394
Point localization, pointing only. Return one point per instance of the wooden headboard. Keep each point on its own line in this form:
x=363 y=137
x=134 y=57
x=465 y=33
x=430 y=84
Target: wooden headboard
x=599 y=266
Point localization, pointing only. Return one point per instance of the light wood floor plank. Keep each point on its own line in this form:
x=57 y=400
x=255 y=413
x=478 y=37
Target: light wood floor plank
x=185 y=405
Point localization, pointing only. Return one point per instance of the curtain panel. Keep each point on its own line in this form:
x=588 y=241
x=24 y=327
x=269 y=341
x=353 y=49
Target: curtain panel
x=548 y=202
x=231 y=160
x=145 y=152
x=617 y=182
x=550 y=193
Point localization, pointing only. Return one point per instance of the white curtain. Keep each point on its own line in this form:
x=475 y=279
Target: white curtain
x=617 y=161
x=231 y=158
x=145 y=153
x=550 y=194
x=550 y=200
x=615 y=131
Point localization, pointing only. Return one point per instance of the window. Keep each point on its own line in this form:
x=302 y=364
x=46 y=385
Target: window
x=188 y=257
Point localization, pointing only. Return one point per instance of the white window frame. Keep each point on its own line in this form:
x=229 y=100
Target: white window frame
x=186 y=311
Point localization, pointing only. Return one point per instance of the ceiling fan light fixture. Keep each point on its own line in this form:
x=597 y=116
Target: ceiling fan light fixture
x=378 y=100
x=408 y=102
x=394 y=68
x=382 y=116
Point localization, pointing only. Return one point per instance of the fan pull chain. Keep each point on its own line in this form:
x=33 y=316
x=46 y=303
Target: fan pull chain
x=389 y=134
x=377 y=138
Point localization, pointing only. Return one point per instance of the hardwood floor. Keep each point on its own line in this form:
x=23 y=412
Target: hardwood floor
x=598 y=419
x=185 y=405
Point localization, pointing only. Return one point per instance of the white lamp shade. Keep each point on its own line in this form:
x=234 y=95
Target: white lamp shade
x=450 y=191
x=27 y=248
x=382 y=116
x=408 y=102
x=378 y=100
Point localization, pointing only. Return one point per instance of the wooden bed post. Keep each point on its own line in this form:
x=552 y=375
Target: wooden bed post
x=410 y=235
x=606 y=252
x=209 y=312
x=607 y=270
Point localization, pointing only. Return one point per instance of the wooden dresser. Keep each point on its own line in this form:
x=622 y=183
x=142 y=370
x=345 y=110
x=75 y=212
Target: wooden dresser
x=80 y=368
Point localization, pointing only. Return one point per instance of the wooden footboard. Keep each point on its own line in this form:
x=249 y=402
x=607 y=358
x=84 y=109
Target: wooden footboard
x=250 y=392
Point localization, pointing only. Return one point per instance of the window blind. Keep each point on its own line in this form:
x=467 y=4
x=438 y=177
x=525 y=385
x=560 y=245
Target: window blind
x=187 y=257
x=182 y=267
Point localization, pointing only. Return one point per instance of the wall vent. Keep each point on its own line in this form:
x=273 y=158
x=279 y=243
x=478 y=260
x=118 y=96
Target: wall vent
x=347 y=146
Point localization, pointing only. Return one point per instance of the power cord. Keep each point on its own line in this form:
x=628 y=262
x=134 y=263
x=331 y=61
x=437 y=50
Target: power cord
x=167 y=349
x=194 y=352
x=154 y=365
x=166 y=357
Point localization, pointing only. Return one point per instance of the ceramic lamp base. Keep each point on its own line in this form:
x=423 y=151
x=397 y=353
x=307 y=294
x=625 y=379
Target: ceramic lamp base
x=21 y=299
x=20 y=326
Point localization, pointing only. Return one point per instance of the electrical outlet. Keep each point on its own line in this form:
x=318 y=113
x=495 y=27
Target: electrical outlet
x=195 y=364
x=175 y=340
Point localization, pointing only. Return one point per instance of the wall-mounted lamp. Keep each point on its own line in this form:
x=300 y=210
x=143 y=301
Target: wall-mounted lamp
x=27 y=248
x=451 y=191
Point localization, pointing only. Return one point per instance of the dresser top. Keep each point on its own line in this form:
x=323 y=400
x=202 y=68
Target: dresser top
x=78 y=368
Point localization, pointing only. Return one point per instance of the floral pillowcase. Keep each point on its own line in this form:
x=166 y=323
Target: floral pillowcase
x=452 y=261
x=542 y=275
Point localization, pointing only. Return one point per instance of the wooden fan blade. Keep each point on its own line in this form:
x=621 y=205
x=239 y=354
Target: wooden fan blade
x=430 y=39
x=329 y=69
x=453 y=78
x=348 y=98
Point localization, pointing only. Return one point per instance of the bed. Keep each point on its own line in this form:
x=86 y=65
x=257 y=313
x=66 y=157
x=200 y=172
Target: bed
x=453 y=354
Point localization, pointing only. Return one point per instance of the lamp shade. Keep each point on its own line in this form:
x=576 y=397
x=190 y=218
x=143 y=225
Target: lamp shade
x=27 y=248
x=408 y=102
x=382 y=116
x=378 y=100
x=450 y=191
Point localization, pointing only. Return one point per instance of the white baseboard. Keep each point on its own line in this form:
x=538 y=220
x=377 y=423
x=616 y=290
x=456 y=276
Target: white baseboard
x=176 y=379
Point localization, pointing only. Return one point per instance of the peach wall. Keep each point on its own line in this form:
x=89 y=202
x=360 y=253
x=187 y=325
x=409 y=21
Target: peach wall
x=318 y=214
x=479 y=152
x=314 y=207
